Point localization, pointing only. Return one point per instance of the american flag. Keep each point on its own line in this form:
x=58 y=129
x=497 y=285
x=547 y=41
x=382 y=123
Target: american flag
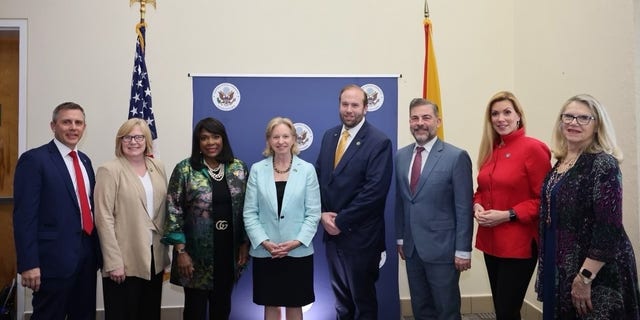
x=140 y=103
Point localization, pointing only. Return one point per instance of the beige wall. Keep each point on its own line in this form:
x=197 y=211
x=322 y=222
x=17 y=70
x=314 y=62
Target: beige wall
x=545 y=51
x=569 y=47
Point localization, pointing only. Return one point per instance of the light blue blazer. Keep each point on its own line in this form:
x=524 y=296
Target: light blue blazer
x=298 y=219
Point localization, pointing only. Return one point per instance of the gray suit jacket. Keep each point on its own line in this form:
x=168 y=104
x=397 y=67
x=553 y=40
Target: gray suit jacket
x=438 y=219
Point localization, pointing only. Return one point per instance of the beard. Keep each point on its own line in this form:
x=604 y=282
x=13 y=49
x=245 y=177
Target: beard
x=424 y=136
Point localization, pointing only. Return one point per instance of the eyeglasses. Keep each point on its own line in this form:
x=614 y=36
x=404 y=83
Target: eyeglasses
x=582 y=120
x=137 y=138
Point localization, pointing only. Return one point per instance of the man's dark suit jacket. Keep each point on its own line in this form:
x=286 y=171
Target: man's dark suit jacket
x=46 y=216
x=357 y=189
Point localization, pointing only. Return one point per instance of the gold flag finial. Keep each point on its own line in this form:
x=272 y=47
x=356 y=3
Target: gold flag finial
x=143 y=6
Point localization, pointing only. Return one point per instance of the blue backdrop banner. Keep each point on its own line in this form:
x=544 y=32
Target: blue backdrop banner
x=245 y=103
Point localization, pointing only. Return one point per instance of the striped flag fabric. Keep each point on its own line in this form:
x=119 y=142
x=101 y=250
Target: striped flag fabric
x=431 y=83
x=140 y=102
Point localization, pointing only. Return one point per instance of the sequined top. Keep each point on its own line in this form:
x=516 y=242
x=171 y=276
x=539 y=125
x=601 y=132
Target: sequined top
x=585 y=212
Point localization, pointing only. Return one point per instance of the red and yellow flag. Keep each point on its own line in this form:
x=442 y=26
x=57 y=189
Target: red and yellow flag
x=431 y=84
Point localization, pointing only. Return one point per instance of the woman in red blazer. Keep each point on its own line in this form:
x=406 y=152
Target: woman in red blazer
x=511 y=168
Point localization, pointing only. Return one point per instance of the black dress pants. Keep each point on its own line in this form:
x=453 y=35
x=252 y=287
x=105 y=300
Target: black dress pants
x=509 y=279
x=134 y=299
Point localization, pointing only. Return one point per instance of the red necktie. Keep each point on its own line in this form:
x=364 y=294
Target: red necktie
x=87 y=221
x=415 y=169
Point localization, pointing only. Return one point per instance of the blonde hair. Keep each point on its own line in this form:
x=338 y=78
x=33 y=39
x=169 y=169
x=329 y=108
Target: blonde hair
x=604 y=139
x=127 y=127
x=489 y=135
x=271 y=125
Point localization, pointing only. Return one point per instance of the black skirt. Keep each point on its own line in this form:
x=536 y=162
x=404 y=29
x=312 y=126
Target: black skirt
x=286 y=282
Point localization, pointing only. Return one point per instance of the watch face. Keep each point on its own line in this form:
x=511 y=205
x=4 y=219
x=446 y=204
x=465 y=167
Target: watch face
x=586 y=273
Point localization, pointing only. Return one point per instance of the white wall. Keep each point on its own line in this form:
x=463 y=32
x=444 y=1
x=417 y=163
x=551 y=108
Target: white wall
x=545 y=51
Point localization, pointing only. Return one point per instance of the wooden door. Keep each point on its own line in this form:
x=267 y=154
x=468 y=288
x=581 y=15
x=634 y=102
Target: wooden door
x=9 y=81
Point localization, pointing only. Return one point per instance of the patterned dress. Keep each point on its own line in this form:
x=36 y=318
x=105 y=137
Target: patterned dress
x=190 y=220
x=581 y=217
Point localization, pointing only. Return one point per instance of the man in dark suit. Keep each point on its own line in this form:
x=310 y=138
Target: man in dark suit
x=56 y=245
x=434 y=216
x=354 y=170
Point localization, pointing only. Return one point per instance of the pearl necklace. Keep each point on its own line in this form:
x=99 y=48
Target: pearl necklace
x=282 y=171
x=216 y=174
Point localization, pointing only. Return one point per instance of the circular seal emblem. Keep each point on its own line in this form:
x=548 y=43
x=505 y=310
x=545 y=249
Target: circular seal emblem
x=305 y=135
x=225 y=96
x=375 y=96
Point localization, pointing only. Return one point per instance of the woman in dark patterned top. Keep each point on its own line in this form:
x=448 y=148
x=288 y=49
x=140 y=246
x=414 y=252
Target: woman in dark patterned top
x=205 y=199
x=587 y=267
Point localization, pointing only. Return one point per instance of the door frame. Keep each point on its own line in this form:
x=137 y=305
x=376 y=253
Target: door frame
x=21 y=26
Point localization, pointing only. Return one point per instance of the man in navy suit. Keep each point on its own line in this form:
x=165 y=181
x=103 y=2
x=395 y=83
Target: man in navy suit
x=58 y=254
x=434 y=216
x=354 y=176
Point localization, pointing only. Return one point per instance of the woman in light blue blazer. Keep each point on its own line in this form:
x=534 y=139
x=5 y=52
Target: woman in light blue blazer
x=281 y=214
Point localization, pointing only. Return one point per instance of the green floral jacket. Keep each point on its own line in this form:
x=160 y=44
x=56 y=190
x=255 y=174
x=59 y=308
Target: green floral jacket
x=189 y=219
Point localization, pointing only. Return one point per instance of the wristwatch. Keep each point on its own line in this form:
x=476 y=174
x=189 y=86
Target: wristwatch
x=512 y=215
x=586 y=276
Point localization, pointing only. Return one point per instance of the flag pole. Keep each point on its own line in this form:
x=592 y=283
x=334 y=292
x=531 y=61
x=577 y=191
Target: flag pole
x=143 y=7
x=140 y=103
x=426 y=9
x=431 y=83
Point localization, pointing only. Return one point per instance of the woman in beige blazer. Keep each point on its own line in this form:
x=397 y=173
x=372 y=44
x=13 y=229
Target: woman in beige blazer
x=130 y=196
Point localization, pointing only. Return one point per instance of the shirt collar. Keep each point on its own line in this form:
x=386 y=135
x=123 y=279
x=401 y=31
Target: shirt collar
x=427 y=146
x=62 y=148
x=507 y=139
x=353 y=131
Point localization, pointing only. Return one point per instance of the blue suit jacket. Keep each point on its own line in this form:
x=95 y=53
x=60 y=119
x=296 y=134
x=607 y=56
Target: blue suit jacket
x=46 y=215
x=357 y=189
x=438 y=219
x=298 y=219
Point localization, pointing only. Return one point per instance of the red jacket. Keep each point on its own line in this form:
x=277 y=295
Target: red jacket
x=512 y=179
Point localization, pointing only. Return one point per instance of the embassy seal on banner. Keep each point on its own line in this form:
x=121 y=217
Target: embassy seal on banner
x=245 y=103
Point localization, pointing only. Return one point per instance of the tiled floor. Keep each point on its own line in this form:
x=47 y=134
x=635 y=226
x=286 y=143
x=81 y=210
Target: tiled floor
x=479 y=316
x=470 y=316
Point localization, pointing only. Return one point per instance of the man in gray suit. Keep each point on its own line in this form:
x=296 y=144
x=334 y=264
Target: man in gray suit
x=434 y=216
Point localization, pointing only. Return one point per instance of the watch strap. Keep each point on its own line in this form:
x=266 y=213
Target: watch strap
x=586 y=275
